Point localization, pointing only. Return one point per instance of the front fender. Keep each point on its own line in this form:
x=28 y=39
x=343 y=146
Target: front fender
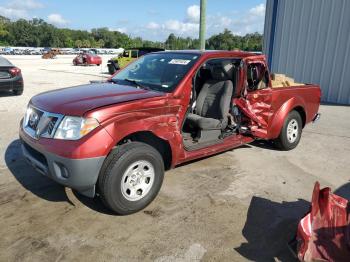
x=277 y=121
x=165 y=127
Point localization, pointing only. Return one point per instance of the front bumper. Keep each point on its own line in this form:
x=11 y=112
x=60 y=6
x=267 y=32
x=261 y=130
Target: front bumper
x=78 y=174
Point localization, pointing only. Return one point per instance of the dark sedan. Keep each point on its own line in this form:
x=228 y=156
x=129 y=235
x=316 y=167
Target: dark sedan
x=10 y=77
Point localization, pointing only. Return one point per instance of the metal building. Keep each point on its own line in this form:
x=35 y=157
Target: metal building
x=310 y=41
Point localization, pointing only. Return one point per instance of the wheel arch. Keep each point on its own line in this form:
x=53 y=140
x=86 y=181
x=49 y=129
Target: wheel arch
x=302 y=113
x=148 y=137
x=281 y=114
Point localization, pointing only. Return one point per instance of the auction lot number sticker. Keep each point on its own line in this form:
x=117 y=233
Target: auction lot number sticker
x=179 y=61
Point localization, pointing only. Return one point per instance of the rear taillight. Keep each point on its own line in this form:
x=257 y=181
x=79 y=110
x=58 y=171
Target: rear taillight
x=15 y=71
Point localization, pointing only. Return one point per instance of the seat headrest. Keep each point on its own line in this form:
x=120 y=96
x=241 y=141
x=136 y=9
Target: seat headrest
x=228 y=68
x=204 y=73
x=223 y=71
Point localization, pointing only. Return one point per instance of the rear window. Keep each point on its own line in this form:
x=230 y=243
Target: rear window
x=4 y=62
x=4 y=73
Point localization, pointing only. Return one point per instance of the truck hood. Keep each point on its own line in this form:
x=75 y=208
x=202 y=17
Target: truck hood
x=79 y=99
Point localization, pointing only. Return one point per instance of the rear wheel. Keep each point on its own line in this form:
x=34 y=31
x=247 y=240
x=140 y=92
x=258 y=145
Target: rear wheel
x=131 y=177
x=291 y=132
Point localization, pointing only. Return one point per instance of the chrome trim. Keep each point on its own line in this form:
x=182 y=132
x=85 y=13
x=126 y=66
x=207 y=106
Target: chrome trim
x=36 y=134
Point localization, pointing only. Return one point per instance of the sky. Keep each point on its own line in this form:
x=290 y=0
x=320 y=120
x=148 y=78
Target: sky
x=149 y=19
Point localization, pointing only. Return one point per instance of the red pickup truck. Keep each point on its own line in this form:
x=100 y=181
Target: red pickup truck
x=115 y=139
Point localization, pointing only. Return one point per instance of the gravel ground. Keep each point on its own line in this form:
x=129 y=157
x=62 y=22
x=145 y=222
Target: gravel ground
x=240 y=205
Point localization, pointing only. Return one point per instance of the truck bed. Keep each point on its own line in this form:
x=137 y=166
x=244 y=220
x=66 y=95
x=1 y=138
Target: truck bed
x=306 y=96
x=281 y=80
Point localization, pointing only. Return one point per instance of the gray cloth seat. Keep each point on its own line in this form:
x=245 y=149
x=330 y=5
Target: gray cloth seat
x=213 y=101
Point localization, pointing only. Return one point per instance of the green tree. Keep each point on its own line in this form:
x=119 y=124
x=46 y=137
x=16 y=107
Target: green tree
x=228 y=41
x=86 y=43
x=4 y=33
x=100 y=43
x=37 y=32
x=170 y=43
x=78 y=43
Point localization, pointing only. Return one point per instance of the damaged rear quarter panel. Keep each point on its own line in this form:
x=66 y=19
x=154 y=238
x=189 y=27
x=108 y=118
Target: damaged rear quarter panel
x=286 y=99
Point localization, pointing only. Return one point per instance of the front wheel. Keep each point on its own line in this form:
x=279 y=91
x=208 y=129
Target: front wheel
x=291 y=132
x=131 y=177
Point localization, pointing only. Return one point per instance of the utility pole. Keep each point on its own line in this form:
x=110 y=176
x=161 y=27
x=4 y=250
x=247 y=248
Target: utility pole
x=202 y=28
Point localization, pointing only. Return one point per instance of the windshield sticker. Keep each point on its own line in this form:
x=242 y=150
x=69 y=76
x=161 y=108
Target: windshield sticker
x=179 y=61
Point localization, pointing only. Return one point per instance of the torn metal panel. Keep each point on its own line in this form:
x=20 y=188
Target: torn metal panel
x=258 y=109
x=324 y=233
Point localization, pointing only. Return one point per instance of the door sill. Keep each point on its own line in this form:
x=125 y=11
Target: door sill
x=197 y=146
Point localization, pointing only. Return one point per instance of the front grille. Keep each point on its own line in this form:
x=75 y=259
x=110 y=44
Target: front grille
x=51 y=125
x=38 y=123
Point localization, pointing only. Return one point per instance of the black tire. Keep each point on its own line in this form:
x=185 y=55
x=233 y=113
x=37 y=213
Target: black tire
x=17 y=92
x=111 y=69
x=288 y=142
x=118 y=162
x=113 y=66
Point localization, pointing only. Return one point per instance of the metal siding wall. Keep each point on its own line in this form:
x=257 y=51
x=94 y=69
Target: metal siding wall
x=267 y=29
x=312 y=44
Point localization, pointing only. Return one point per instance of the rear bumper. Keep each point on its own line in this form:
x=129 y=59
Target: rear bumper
x=78 y=174
x=11 y=84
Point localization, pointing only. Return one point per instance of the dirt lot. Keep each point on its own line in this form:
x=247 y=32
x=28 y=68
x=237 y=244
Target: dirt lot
x=240 y=205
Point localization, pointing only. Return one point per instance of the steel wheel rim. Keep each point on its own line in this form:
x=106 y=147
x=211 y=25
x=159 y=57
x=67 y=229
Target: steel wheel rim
x=137 y=180
x=292 y=131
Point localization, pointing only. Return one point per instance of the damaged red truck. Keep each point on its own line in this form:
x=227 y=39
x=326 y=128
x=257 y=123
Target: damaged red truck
x=115 y=139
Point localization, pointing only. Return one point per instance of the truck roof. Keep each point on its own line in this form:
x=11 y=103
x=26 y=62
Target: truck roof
x=238 y=53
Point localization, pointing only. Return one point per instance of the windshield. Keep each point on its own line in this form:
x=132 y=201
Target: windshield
x=159 y=72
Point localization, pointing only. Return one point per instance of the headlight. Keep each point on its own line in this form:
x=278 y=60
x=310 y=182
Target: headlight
x=26 y=116
x=73 y=128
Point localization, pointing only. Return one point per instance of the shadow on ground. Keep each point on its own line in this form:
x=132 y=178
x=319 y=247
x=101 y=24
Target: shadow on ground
x=40 y=185
x=343 y=191
x=269 y=227
x=264 y=144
